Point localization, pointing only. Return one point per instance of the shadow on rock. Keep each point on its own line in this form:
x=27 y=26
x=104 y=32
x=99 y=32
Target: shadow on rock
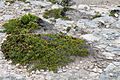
x=45 y=27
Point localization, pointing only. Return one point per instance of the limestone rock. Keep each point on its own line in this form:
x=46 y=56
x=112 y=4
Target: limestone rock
x=56 y=6
x=90 y=37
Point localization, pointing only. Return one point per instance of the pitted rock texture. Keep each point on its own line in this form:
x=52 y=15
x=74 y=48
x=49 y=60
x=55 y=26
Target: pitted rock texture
x=102 y=33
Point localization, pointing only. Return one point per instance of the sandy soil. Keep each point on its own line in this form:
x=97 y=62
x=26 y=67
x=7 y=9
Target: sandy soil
x=98 y=2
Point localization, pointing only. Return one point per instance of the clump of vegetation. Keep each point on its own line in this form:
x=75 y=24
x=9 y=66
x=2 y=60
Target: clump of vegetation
x=42 y=51
x=66 y=3
x=96 y=15
x=25 y=24
x=56 y=13
x=114 y=12
x=12 y=1
x=68 y=29
x=62 y=2
x=53 y=1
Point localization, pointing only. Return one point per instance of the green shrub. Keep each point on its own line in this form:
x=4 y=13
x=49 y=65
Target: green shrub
x=62 y=2
x=24 y=24
x=68 y=29
x=43 y=51
x=113 y=12
x=65 y=3
x=56 y=13
x=53 y=1
x=12 y=1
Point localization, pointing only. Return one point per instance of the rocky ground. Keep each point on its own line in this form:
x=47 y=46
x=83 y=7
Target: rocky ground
x=102 y=33
x=98 y=2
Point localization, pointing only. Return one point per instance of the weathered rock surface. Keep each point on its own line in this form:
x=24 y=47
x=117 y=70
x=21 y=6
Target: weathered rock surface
x=102 y=33
x=112 y=72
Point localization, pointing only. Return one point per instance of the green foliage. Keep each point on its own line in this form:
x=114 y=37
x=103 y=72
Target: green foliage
x=56 y=13
x=68 y=29
x=28 y=18
x=12 y=1
x=22 y=0
x=43 y=51
x=24 y=24
x=113 y=12
x=64 y=3
x=53 y=1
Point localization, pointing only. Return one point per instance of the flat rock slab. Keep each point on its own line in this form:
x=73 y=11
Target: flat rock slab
x=2 y=4
x=97 y=2
x=112 y=72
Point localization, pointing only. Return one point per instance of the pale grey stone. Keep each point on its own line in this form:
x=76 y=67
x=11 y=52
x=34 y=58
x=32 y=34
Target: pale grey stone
x=40 y=3
x=112 y=49
x=90 y=37
x=105 y=20
x=84 y=23
x=2 y=4
x=112 y=72
x=65 y=23
x=56 y=6
x=7 y=17
x=83 y=7
x=108 y=55
x=116 y=25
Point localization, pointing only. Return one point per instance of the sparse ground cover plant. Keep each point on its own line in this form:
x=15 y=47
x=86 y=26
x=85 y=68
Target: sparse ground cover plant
x=48 y=52
x=61 y=2
x=56 y=13
x=114 y=12
x=12 y=1
x=66 y=3
x=24 y=24
x=40 y=51
x=53 y=1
